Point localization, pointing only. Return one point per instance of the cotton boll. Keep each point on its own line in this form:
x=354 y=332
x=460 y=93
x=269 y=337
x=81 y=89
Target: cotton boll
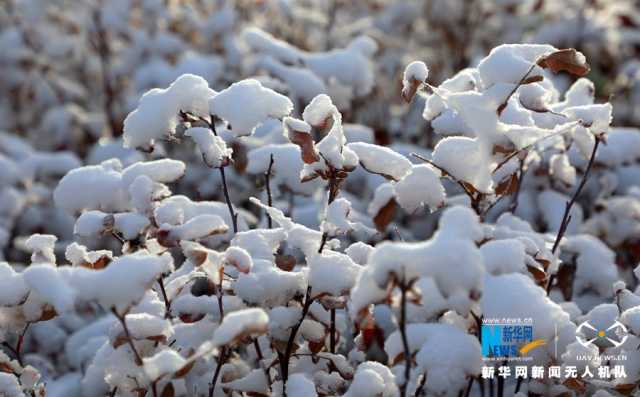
x=157 y=113
x=359 y=252
x=269 y=287
x=123 y=282
x=508 y=63
x=247 y=103
x=381 y=160
x=474 y=169
x=240 y=324
x=596 y=117
x=415 y=74
x=213 y=149
x=162 y=171
x=300 y=385
x=372 y=378
x=450 y=356
x=337 y=217
x=42 y=248
x=13 y=289
x=331 y=273
x=9 y=385
x=51 y=285
x=100 y=186
x=421 y=186
x=165 y=362
x=631 y=318
x=504 y=256
x=254 y=382
x=319 y=110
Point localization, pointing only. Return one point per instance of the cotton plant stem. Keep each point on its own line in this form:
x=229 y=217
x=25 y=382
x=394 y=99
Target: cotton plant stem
x=138 y=358
x=221 y=360
x=167 y=302
x=256 y=346
x=566 y=217
x=284 y=358
x=20 y=343
x=269 y=196
x=225 y=189
x=332 y=331
x=405 y=341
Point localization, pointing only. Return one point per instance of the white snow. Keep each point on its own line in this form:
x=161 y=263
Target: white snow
x=381 y=160
x=240 y=324
x=323 y=271
x=246 y=104
x=421 y=186
x=157 y=113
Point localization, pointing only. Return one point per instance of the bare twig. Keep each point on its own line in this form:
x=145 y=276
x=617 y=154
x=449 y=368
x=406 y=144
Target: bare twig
x=566 y=217
x=167 y=302
x=504 y=103
x=256 y=346
x=537 y=141
x=514 y=202
x=402 y=325
x=284 y=358
x=221 y=360
x=18 y=349
x=267 y=177
x=473 y=197
x=332 y=331
x=138 y=358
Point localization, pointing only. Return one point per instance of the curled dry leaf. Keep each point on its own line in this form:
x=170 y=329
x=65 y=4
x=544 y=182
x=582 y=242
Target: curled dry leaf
x=307 y=148
x=508 y=185
x=168 y=391
x=568 y=60
x=385 y=215
x=409 y=91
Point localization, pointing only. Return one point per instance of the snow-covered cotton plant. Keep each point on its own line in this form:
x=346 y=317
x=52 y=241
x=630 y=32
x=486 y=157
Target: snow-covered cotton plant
x=276 y=198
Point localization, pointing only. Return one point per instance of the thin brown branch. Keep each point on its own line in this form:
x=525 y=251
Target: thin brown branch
x=225 y=189
x=284 y=358
x=402 y=325
x=167 y=302
x=138 y=358
x=332 y=332
x=504 y=103
x=267 y=177
x=256 y=346
x=20 y=344
x=221 y=360
x=566 y=217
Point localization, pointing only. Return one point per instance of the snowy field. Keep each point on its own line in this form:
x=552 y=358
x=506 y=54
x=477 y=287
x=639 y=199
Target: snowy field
x=371 y=198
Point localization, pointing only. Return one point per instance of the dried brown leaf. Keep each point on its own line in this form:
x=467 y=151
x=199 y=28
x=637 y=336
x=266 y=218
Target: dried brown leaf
x=168 y=391
x=307 y=146
x=568 y=60
x=508 y=185
x=385 y=215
